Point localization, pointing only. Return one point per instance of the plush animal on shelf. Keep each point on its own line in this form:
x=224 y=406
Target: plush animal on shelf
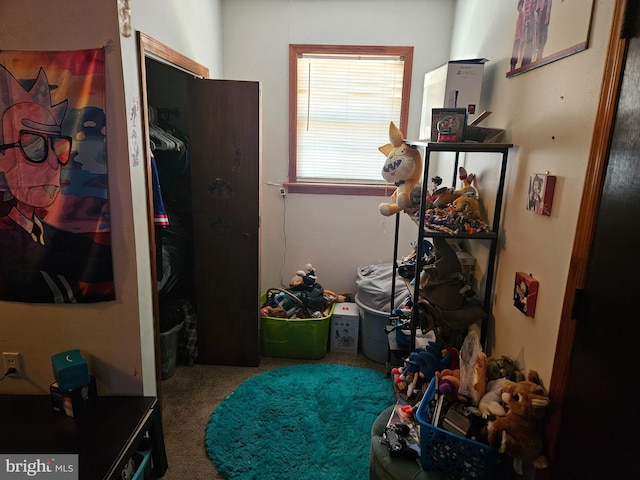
x=467 y=180
x=403 y=168
x=443 y=197
x=519 y=432
x=467 y=203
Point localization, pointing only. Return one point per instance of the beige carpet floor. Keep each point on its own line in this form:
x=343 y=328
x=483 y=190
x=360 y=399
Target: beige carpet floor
x=191 y=394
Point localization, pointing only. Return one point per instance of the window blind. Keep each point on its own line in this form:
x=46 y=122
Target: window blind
x=345 y=104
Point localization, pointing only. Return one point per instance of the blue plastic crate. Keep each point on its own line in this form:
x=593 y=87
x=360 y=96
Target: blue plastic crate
x=451 y=454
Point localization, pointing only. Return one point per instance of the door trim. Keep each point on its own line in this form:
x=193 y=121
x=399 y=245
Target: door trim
x=149 y=47
x=591 y=195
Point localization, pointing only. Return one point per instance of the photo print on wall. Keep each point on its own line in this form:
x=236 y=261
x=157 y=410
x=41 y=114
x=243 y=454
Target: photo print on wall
x=540 y=193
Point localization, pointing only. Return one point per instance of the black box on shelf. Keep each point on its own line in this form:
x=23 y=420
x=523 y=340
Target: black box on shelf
x=75 y=401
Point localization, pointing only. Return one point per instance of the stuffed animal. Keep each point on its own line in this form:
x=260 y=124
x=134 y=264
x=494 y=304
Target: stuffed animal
x=491 y=403
x=467 y=197
x=274 y=312
x=464 y=199
x=422 y=365
x=467 y=180
x=403 y=168
x=449 y=384
x=503 y=367
x=519 y=432
x=454 y=357
x=304 y=285
x=467 y=203
x=401 y=380
x=304 y=279
x=443 y=197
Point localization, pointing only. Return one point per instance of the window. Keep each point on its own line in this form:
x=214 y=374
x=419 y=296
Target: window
x=341 y=101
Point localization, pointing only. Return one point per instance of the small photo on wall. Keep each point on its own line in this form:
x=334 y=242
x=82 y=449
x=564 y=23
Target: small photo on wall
x=525 y=293
x=540 y=193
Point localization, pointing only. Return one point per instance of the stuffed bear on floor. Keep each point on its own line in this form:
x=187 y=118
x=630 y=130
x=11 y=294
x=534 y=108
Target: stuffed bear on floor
x=519 y=432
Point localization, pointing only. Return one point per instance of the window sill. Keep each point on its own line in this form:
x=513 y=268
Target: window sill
x=340 y=189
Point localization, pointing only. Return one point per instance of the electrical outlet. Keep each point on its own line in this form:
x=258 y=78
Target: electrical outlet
x=13 y=360
x=283 y=191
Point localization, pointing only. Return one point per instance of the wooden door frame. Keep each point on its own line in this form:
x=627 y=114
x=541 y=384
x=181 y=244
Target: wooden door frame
x=148 y=47
x=585 y=228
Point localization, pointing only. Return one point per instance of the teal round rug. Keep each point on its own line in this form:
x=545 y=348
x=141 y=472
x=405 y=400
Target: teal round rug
x=305 y=422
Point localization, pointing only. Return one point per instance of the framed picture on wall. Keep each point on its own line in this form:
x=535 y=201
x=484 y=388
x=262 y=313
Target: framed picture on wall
x=525 y=293
x=540 y=193
x=548 y=30
x=448 y=124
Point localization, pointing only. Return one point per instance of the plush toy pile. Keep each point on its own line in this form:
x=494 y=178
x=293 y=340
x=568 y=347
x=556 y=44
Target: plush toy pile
x=305 y=297
x=453 y=210
x=507 y=409
x=421 y=366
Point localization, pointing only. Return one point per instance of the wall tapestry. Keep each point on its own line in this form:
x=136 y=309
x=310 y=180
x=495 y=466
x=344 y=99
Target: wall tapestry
x=55 y=243
x=548 y=30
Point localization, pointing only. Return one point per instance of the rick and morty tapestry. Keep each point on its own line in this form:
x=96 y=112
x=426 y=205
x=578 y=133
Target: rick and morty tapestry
x=55 y=243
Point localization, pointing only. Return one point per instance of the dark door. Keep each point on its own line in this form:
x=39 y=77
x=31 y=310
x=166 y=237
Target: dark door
x=224 y=128
x=599 y=435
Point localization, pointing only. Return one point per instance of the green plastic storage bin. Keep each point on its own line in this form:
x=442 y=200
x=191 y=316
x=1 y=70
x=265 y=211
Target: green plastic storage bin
x=295 y=337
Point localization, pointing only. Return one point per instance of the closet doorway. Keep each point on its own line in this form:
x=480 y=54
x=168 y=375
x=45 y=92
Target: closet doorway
x=210 y=186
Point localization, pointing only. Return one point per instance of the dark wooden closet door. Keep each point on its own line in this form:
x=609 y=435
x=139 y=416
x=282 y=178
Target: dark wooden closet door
x=224 y=128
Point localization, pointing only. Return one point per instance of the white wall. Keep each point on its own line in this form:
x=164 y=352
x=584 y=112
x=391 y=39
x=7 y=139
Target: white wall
x=190 y=27
x=335 y=233
x=549 y=114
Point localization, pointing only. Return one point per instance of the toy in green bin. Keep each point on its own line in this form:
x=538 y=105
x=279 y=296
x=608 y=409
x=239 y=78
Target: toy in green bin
x=305 y=298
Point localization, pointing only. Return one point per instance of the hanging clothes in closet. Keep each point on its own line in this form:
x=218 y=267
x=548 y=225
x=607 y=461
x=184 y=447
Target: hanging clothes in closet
x=174 y=242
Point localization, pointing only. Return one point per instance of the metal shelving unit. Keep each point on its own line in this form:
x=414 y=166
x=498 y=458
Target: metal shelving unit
x=501 y=149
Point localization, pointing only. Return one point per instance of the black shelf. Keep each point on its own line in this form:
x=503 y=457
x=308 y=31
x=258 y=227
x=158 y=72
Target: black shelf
x=461 y=146
x=430 y=232
x=424 y=231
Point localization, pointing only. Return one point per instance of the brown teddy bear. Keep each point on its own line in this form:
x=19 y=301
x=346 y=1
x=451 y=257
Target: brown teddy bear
x=518 y=433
